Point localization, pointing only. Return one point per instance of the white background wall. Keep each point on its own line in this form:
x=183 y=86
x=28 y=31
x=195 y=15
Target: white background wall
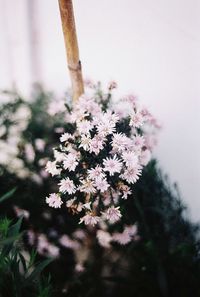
x=152 y=48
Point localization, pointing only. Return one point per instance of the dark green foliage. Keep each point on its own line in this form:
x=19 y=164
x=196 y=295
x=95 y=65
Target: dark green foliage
x=19 y=272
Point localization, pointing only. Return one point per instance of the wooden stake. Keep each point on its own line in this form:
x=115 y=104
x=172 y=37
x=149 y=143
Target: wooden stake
x=71 y=45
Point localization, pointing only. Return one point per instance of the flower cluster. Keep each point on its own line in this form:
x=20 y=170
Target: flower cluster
x=100 y=157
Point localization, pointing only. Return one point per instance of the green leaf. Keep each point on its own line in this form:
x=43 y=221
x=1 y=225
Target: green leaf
x=38 y=269
x=14 y=229
x=7 y=195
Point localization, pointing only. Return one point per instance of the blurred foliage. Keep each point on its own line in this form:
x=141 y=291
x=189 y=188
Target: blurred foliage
x=19 y=272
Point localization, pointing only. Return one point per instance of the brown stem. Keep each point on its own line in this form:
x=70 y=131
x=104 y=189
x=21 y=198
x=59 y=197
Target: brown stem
x=71 y=45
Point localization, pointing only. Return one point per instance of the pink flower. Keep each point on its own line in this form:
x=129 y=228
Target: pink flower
x=87 y=186
x=132 y=175
x=54 y=200
x=106 y=127
x=40 y=144
x=29 y=152
x=21 y=212
x=126 y=191
x=85 y=142
x=130 y=159
x=70 y=162
x=84 y=126
x=59 y=157
x=96 y=172
x=119 y=141
x=90 y=219
x=69 y=243
x=137 y=120
x=121 y=238
x=67 y=185
x=139 y=141
x=95 y=145
x=104 y=238
x=65 y=137
x=112 y=165
x=101 y=184
x=113 y=214
x=52 y=169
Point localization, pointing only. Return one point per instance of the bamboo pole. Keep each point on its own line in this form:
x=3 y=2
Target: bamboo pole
x=71 y=45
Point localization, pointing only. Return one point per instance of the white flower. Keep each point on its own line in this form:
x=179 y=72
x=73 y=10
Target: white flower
x=96 y=144
x=132 y=175
x=65 y=137
x=29 y=152
x=130 y=159
x=101 y=184
x=113 y=214
x=87 y=205
x=52 y=169
x=40 y=144
x=70 y=162
x=84 y=126
x=67 y=185
x=54 y=200
x=87 y=186
x=90 y=219
x=105 y=128
x=104 y=238
x=85 y=142
x=59 y=157
x=96 y=172
x=112 y=165
x=119 y=141
x=137 y=119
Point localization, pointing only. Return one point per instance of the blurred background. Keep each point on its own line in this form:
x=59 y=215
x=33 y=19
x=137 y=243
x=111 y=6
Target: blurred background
x=151 y=48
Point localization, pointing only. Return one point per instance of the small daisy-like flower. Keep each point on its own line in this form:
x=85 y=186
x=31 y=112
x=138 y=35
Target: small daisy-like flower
x=126 y=191
x=112 y=165
x=70 y=162
x=90 y=219
x=59 y=157
x=96 y=145
x=52 y=169
x=101 y=184
x=84 y=126
x=132 y=175
x=85 y=142
x=139 y=141
x=130 y=159
x=113 y=214
x=87 y=186
x=119 y=141
x=137 y=119
x=65 y=137
x=54 y=200
x=106 y=127
x=67 y=186
x=96 y=172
